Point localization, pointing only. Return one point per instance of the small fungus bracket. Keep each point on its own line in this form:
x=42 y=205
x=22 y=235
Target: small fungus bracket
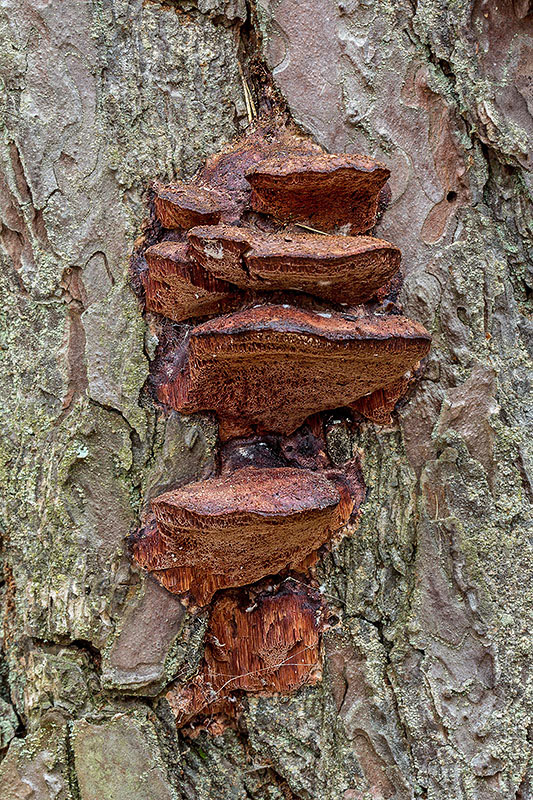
x=329 y=192
x=262 y=640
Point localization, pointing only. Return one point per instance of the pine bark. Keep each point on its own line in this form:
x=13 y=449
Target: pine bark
x=427 y=687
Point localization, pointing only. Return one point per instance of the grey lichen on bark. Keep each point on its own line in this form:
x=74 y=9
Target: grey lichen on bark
x=427 y=677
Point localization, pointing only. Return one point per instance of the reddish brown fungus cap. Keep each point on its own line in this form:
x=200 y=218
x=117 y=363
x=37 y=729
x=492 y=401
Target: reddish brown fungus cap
x=327 y=191
x=167 y=260
x=268 y=368
x=179 y=288
x=249 y=492
x=183 y=205
x=227 y=170
x=329 y=326
x=342 y=269
x=235 y=529
x=220 y=250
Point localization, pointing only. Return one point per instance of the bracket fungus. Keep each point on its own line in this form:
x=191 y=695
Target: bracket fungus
x=269 y=238
x=205 y=533
x=327 y=191
x=260 y=643
x=179 y=288
x=269 y=367
x=341 y=269
x=183 y=205
x=227 y=170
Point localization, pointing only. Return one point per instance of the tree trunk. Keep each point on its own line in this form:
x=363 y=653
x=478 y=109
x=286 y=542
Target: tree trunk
x=426 y=688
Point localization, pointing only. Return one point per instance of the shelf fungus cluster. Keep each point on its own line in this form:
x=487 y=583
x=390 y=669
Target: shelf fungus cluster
x=273 y=303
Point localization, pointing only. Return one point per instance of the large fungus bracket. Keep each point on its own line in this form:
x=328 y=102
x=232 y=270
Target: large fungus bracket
x=270 y=367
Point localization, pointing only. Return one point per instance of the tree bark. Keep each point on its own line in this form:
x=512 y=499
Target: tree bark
x=427 y=685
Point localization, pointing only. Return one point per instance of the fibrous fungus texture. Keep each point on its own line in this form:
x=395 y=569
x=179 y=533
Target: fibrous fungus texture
x=178 y=287
x=330 y=267
x=272 y=302
x=326 y=191
x=259 y=642
x=234 y=529
x=294 y=187
x=185 y=205
x=269 y=367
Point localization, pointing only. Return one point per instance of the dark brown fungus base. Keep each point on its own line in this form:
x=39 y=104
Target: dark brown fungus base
x=258 y=642
x=326 y=191
x=305 y=448
x=270 y=367
x=235 y=529
x=341 y=269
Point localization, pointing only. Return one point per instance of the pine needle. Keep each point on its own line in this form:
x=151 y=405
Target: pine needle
x=248 y=99
x=309 y=228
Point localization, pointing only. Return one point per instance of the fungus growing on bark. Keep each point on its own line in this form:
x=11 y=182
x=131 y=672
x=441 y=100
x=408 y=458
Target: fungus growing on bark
x=227 y=170
x=342 y=269
x=327 y=191
x=168 y=261
x=267 y=371
x=180 y=289
x=306 y=449
x=220 y=250
x=182 y=205
x=235 y=529
x=259 y=643
x=270 y=367
x=379 y=405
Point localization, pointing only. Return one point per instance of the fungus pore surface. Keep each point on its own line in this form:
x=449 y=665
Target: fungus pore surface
x=179 y=288
x=183 y=205
x=328 y=191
